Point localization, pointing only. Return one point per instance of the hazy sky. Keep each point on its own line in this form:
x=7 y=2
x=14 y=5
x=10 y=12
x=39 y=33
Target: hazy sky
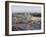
x=17 y=8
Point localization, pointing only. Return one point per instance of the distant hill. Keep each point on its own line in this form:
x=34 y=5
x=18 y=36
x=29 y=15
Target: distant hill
x=33 y=14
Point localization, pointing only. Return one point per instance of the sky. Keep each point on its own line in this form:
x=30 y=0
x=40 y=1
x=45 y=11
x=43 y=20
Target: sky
x=18 y=8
